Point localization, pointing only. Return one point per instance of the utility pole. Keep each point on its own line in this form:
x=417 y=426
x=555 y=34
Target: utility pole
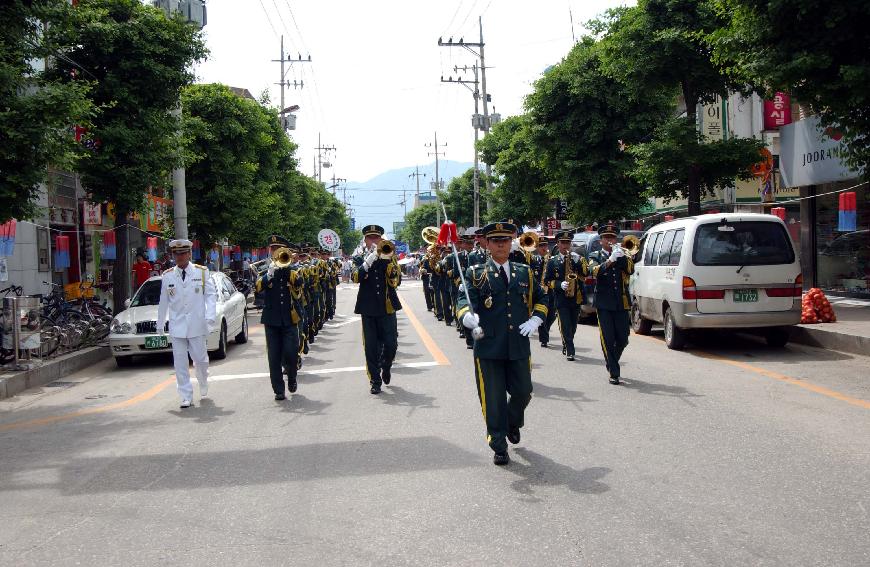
x=285 y=83
x=475 y=123
x=438 y=183
x=479 y=122
x=335 y=182
x=320 y=161
x=416 y=175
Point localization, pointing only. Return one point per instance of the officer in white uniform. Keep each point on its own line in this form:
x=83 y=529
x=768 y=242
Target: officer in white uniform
x=187 y=299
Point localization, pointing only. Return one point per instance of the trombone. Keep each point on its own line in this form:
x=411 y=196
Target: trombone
x=282 y=257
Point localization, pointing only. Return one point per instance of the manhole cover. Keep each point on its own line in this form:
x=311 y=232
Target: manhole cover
x=61 y=384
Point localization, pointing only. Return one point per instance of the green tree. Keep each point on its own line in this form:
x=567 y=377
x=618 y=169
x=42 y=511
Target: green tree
x=240 y=156
x=139 y=60
x=657 y=47
x=816 y=50
x=520 y=185
x=459 y=198
x=415 y=221
x=37 y=112
x=579 y=115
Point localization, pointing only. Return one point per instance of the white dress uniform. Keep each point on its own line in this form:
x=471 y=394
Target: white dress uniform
x=190 y=305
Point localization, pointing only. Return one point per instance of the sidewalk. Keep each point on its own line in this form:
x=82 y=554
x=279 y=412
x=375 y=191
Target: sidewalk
x=851 y=332
x=12 y=383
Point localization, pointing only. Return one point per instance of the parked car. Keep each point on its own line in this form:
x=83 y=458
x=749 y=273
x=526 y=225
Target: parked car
x=724 y=271
x=133 y=331
x=584 y=244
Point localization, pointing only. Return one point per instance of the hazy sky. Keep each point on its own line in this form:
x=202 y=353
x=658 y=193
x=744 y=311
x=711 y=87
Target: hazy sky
x=373 y=89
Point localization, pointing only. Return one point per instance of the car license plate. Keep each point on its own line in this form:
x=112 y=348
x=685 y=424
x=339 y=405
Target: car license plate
x=745 y=295
x=156 y=342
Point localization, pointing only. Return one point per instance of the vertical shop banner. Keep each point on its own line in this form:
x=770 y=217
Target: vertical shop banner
x=7 y=238
x=777 y=112
x=108 y=251
x=712 y=120
x=92 y=214
x=151 y=248
x=848 y=214
x=61 y=252
x=158 y=209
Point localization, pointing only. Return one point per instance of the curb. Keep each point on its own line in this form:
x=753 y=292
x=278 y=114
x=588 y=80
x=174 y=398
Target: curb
x=832 y=340
x=54 y=370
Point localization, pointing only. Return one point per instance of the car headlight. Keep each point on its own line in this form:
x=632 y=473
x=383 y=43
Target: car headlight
x=120 y=328
x=115 y=327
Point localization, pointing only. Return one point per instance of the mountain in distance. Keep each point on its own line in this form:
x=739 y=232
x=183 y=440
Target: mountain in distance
x=379 y=200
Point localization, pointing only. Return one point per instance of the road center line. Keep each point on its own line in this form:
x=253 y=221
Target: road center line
x=776 y=376
x=146 y=395
x=430 y=344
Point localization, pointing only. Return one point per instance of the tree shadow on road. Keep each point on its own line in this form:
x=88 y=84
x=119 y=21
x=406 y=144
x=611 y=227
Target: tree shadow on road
x=542 y=471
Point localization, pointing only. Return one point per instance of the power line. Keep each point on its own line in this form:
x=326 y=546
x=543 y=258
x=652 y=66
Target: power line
x=268 y=19
x=468 y=15
x=458 y=6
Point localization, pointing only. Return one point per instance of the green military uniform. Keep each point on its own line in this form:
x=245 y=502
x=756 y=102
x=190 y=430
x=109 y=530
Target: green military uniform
x=426 y=278
x=280 y=318
x=567 y=308
x=502 y=357
x=613 y=303
x=539 y=266
x=377 y=302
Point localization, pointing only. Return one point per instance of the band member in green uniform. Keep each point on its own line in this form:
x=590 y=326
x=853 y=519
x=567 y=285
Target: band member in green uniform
x=445 y=287
x=480 y=253
x=565 y=272
x=612 y=299
x=544 y=255
x=280 y=317
x=426 y=278
x=506 y=306
x=378 y=276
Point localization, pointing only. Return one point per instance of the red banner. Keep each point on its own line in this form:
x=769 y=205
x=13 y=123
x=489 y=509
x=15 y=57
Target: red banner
x=777 y=112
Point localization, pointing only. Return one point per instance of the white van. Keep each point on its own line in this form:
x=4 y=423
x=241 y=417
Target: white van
x=722 y=271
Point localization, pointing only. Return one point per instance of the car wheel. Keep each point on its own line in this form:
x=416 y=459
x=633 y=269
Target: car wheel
x=778 y=336
x=221 y=352
x=124 y=361
x=675 y=337
x=640 y=325
x=242 y=337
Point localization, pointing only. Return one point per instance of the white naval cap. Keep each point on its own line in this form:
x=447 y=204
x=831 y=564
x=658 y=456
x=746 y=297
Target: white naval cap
x=180 y=245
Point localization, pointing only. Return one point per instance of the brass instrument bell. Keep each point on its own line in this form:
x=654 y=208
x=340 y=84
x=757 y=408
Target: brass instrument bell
x=528 y=241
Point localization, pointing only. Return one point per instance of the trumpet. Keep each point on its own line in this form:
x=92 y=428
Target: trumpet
x=385 y=249
x=528 y=241
x=630 y=245
x=282 y=257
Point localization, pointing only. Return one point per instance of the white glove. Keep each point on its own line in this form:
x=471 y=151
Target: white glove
x=270 y=271
x=371 y=259
x=530 y=326
x=575 y=256
x=515 y=245
x=616 y=253
x=564 y=286
x=471 y=320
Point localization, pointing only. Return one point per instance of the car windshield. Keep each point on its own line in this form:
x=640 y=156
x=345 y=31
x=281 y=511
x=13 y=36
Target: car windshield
x=742 y=243
x=149 y=294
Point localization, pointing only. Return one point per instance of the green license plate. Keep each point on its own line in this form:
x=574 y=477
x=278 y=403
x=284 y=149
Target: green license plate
x=156 y=342
x=745 y=295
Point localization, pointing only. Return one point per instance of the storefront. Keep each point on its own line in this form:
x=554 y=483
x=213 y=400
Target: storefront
x=835 y=210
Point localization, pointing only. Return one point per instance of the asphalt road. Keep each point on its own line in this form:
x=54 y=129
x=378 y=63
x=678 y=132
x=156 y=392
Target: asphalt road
x=730 y=453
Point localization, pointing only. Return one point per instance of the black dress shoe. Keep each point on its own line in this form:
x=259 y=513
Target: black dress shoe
x=376 y=390
x=386 y=375
x=440 y=318
x=501 y=459
x=570 y=357
x=279 y=397
x=543 y=345
x=614 y=380
x=514 y=435
x=292 y=386
x=469 y=347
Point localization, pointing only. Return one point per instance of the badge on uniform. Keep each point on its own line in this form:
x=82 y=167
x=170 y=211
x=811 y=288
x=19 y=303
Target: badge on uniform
x=487 y=302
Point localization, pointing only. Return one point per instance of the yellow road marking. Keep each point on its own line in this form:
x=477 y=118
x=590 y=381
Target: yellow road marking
x=146 y=395
x=430 y=344
x=776 y=376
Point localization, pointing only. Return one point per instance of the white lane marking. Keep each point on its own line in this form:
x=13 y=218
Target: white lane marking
x=222 y=377
x=343 y=323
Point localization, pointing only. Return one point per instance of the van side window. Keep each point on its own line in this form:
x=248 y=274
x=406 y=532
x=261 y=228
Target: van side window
x=650 y=247
x=677 y=248
x=665 y=254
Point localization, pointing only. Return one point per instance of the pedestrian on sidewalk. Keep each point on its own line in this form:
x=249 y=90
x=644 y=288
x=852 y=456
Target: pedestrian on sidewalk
x=612 y=299
x=509 y=305
x=188 y=301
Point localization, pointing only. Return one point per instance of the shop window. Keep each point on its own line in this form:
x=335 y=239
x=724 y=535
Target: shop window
x=843 y=257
